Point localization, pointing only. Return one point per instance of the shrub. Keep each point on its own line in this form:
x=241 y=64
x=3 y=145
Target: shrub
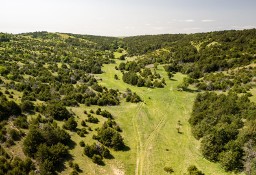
x=57 y=111
x=27 y=106
x=83 y=123
x=82 y=144
x=97 y=159
x=70 y=124
x=168 y=169
x=21 y=122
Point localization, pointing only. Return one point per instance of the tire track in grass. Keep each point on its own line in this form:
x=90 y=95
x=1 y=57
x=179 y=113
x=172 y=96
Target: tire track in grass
x=145 y=150
x=138 y=139
x=149 y=142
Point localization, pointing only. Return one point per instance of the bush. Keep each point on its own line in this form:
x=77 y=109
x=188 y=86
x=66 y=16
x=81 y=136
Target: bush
x=82 y=132
x=57 y=111
x=82 y=144
x=21 y=122
x=106 y=114
x=98 y=111
x=74 y=173
x=110 y=138
x=83 y=123
x=97 y=149
x=9 y=142
x=168 y=169
x=14 y=134
x=70 y=124
x=97 y=159
x=76 y=167
x=27 y=106
x=92 y=119
x=192 y=170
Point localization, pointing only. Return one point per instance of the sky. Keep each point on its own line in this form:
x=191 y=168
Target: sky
x=126 y=17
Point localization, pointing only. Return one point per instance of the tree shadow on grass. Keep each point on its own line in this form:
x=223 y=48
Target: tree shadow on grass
x=110 y=157
x=190 y=90
x=62 y=167
x=126 y=148
x=71 y=144
x=193 y=90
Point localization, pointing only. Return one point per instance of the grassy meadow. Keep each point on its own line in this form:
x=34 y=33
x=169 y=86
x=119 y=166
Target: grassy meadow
x=149 y=131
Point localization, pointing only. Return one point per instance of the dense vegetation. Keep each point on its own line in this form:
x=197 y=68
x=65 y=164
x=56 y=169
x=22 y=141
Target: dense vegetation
x=43 y=76
x=50 y=72
x=196 y=54
x=14 y=166
x=219 y=121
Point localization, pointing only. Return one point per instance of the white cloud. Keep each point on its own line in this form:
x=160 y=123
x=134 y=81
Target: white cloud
x=183 y=20
x=189 y=20
x=207 y=20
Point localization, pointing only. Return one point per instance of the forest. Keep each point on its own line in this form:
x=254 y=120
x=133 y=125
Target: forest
x=45 y=77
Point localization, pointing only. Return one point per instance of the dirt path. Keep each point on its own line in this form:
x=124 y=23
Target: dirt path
x=149 y=143
x=138 y=139
x=143 y=150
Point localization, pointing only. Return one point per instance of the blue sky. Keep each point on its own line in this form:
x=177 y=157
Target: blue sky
x=126 y=17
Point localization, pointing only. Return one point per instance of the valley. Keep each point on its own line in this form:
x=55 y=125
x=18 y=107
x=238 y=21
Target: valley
x=145 y=105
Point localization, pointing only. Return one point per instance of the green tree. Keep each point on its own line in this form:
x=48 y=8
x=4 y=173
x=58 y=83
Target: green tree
x=32 y=141
x=27 y=106
x=57 y=111
x=70 y=124
x=192 y=170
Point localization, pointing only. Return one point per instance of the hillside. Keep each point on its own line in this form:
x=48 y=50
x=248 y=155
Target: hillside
x=159 y=104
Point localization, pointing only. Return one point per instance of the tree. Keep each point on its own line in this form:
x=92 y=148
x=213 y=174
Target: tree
x=27 y=106
x=210 y=148
x=170 y=75
x=32 y=141
x=122 y=66
x=57 y=111
x=70 y=124
x=168 y=169
x=249 y=158
x=110 y=138
x=116 y=77
x=192 y=170
x=230 y=160
x=117 y=141
x=130 y=78
x=97 y=159
x=13 y=108
x=21 y=122
x=184 y=85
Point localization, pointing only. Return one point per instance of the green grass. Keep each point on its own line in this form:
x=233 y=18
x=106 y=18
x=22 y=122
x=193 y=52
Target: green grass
x=253 y=98
x=149 y=129
x=117 y=55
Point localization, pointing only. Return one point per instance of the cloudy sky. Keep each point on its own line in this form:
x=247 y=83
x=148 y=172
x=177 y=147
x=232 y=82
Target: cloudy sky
x=126 y=17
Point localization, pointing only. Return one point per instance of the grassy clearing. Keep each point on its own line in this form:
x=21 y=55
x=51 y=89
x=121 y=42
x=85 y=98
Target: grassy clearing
x=149 y=129
x=117 y=55
x=197 y=45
